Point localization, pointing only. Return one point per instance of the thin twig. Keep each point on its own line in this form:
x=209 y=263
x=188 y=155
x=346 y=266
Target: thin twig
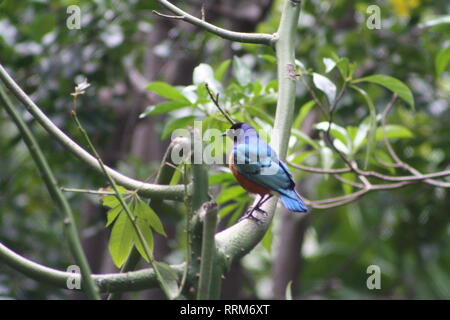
x=394 y=155
x=215 y=99
x=352 y=183
x=96 y=192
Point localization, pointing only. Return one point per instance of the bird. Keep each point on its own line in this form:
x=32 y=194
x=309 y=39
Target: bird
x=258 y=170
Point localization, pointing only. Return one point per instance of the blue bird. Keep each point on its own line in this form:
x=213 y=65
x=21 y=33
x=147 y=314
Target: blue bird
x=258 y=169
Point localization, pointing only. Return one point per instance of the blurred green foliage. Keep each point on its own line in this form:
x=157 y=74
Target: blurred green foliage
x=404 y=231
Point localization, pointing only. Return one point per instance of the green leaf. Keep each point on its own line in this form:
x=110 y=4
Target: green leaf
x=371 y=140
x=305 y=138
x=176 y=124
x=204 y=73
x=230 y=193
x=111 y=201
x=148 y=237
x=382 y=157
x=41 y=25
x=345 y=67
x=219 y=178
x=441 y=20
x=326 y=156
x=326 y=86
x=442 y=60
x=267 y=239
x=241 y=72
x=394 y=131
x=302 y=156
x=176 y=177
x=146 y=213
x=113 y=213
x=222 y=69
x=258 y=112
x=350 y=176
x=224 y=211
x=268 y=57
x=170 y=278
x=329 y=64
x=392 y=84
x=121 y=240
x=361 y=134
x=238 y=212
x=304 y=110
x=336 y=131
x=167 y=91
x=289 y=291
x=163 y=107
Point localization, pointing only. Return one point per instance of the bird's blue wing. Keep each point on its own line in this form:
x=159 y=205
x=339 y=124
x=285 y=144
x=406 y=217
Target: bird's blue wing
x=260 y=164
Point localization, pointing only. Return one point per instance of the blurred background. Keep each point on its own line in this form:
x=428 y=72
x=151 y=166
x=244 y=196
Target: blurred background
x=121 y=47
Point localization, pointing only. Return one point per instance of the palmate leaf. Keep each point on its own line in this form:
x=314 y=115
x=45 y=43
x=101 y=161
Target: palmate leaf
x=111 y=201
x=145 y=213
x=148 y=236
x=169 y=277
x=123 y=234
x=121 y=240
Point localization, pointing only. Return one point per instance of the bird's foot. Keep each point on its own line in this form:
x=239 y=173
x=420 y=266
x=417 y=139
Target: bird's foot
x=249 y=214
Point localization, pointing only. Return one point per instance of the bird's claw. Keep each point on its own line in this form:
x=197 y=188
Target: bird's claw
x=249 y=214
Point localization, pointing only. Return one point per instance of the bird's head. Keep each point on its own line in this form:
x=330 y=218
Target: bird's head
x=239 y=131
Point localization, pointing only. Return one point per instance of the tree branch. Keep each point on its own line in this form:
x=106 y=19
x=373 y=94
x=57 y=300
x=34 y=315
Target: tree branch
x=259 y=38
x=56 y=194
x=208 y=251
x=145 y=189
x=113 y=282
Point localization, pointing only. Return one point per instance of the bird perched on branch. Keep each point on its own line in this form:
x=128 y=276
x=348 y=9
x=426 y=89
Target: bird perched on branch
x=258 y=170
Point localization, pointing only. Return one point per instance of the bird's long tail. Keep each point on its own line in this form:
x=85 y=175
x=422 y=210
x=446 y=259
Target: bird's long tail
x=293 y=202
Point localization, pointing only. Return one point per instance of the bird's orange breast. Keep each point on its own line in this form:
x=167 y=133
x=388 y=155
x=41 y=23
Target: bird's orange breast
x=246 y=183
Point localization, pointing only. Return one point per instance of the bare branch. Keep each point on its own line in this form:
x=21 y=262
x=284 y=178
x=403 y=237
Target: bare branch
x=168 y=15
x=396 y=158
x=352 y=183
x=260 y=38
